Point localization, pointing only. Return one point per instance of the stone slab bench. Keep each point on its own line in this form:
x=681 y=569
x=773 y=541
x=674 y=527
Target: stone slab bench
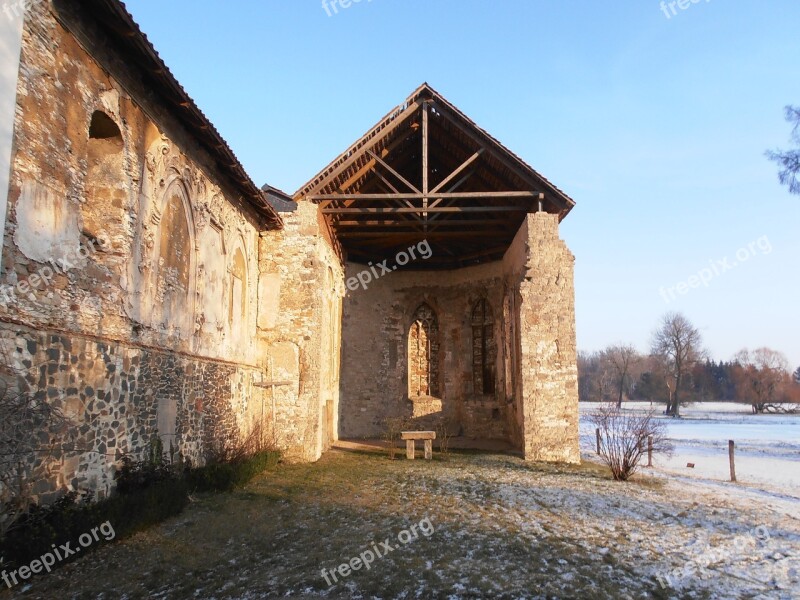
x=412 y=436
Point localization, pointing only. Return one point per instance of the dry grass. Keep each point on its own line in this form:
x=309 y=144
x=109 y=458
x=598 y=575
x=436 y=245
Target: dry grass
x=499 y=531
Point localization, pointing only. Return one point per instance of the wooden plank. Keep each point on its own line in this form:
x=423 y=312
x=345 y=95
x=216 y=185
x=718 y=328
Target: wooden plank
x=458 y=171
x=421 y=196
x=443 y=209
x=391 y=170
x=418 y=435
x=372 y=138
x=390 y=223
x=434 y=235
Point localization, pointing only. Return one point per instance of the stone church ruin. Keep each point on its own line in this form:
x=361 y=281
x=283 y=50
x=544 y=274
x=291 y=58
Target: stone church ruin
x=149 y=287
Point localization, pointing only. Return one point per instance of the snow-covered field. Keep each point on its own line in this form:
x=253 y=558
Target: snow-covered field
x=767 y=446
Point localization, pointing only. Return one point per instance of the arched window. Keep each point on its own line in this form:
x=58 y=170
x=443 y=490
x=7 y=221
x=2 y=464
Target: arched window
x=103 y=127
x=104 y=186
x=423 y=353
x=238 y=299
x=175 y=260
x=484 y=349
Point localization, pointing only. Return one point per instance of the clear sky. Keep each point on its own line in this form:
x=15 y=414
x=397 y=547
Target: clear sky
x=656 y=126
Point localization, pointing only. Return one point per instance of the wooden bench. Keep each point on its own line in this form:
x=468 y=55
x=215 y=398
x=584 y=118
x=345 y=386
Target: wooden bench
x=412 y=436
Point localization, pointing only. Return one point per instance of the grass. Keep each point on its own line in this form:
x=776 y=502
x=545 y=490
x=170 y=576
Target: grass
x=500 y=530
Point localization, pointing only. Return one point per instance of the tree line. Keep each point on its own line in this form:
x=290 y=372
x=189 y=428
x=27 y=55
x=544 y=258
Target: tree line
x=677 y=370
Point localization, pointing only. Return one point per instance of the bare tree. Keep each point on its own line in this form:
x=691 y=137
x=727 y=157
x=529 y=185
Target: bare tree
x=626 y=438
x=677 y=344
x=595 y=377
x=796 y=376
x=621 y=359
x=789 y=160
x=762 y=375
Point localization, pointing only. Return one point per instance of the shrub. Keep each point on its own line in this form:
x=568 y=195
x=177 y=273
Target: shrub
x=227 y=476
x=393 y=426
x=147 y=492
x=75 y=514
x=625 y=437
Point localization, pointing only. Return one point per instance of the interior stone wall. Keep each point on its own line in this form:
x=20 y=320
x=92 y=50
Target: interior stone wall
x=376 y=380
x=531 y=298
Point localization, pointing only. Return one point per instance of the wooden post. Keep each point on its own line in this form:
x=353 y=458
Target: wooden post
x=425 y=164
x=649 y=450
x=730 y=457
x=597 y=432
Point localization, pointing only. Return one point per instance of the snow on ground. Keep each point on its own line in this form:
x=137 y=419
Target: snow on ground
x=767 y=446
x=503 y=528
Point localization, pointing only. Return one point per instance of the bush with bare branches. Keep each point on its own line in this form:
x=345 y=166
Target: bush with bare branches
x=392 y=427
x=625 y=437
x=444 y=433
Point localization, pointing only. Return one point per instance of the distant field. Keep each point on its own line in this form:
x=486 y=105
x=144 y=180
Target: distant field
x=767 y=446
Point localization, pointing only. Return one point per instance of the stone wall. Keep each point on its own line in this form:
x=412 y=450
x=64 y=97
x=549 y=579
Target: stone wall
x=131 y=293
x=524 y=308
x=299 y=321
x=548 y=394
x=117 y=396
x=378 y=330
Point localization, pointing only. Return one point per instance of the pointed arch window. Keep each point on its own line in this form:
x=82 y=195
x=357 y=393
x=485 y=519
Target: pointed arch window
x=423 y=353
x=484 y=349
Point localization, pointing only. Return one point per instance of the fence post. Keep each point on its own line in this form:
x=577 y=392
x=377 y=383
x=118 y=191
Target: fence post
x=597 y=432
x=649 y=450
x=730 y=457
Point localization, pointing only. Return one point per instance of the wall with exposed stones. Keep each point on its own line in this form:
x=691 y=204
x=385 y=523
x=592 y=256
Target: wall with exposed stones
x=525 y=306
x=302 y=286
x=141 y=296
x=548 y=373
x=131 y=293
x=380 y=371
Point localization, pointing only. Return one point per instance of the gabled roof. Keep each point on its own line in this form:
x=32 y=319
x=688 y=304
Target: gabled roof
x=107 y=23
x=426 y=171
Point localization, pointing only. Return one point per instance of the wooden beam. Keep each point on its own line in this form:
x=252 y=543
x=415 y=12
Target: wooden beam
x=390 y=222
x=389 y=124
x=370 y=164
x=468 y=235
x=444 y=209
x=425 y=164
x=391 y=170
x=458 y=171
x=425 y=153
x=511 y=165
x=420 y=196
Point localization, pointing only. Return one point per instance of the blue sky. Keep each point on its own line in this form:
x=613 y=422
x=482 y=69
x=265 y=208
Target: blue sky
x=656 y=126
